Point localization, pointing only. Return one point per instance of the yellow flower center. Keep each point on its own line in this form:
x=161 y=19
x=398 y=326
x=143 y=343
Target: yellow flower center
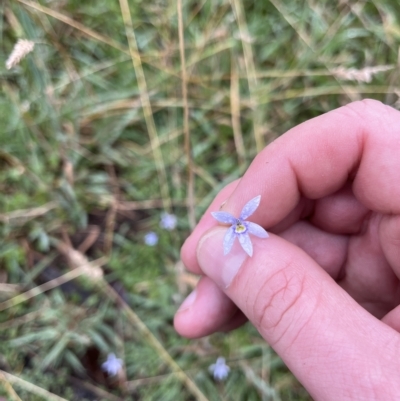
x=240 y=228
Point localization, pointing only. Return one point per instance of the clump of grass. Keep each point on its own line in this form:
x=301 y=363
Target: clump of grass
x=129 y=112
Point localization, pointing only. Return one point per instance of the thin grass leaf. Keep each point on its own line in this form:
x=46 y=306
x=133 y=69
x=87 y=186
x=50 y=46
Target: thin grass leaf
x=74 y=361
x=48 y=334
x=52 y=357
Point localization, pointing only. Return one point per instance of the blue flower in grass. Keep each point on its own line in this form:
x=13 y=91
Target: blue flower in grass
x=168 y=221
x=151 y=238
x=219 y=369
x=112 y=365
x=240 y=228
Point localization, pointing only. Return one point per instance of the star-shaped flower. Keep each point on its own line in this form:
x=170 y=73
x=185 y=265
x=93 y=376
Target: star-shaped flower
x=240 y=228
x=219 y=369
x=112 y=365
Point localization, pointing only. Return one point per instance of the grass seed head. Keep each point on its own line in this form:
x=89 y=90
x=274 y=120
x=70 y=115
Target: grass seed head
x=20 y=50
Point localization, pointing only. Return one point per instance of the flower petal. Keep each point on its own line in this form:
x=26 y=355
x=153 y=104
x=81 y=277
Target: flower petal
x=229 y=239
x=250 y=207
x=245 y=241
x=256 y=230
x=224 y=217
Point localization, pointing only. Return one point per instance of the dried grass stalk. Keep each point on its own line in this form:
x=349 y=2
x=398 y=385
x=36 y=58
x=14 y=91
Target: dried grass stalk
x=363 y=75
x=20 y=50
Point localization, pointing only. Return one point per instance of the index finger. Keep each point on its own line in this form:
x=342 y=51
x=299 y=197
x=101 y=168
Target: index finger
x=359 y=142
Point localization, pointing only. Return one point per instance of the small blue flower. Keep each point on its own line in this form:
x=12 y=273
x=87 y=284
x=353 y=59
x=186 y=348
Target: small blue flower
x=151 y=238
x=240 y=228
x=219 y=369
x=168 y=221
x=112 y=365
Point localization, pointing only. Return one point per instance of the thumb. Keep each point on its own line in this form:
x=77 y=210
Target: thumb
x=331 y=344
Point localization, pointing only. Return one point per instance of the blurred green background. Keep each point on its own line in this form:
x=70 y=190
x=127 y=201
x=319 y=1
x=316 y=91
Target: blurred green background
x=125 y=110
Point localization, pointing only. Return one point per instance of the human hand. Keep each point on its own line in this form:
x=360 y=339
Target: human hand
x=324 y=289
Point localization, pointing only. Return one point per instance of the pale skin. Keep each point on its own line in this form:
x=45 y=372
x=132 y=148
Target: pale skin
x=324 y=289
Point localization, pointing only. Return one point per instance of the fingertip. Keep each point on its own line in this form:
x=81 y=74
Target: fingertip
x=188 y=254
x=204 y=312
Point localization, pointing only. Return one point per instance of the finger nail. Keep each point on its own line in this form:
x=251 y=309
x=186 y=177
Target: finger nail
x=188 y=302
x=219 y=267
